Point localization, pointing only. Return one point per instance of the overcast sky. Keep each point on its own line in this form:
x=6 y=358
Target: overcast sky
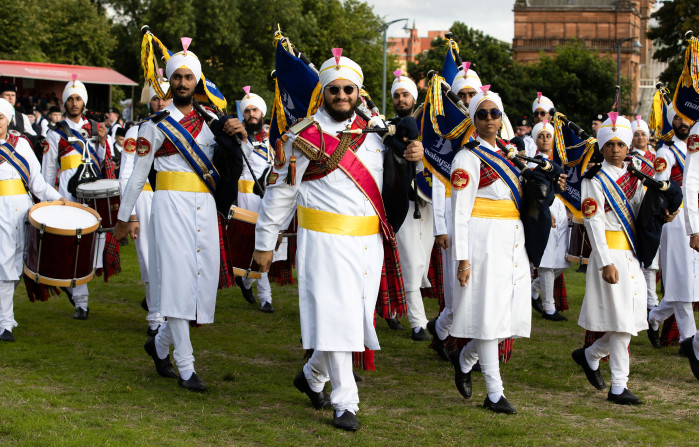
x=494 y=17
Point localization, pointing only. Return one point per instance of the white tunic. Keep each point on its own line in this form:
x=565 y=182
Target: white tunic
x=555 y=254
x=495 y=303
x=13 y=211
x=338 y=275
x=184 y=255
x=678 y=262
x=617 y=307
x=142 y=208
x=443 y=224
x=690 y=188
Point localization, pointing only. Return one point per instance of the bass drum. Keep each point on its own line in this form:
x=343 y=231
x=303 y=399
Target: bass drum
x=103 y=195
x=579 y=247
x=239 y=240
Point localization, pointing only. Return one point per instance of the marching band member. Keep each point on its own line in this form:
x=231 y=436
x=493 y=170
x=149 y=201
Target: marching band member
x=142 y=209
x=554 y=262
x=341 y=224
x=541 y=108
x=614 y=301
x=678 y=261
x=60 y=153
x=20 y=173
x=261 y=158
x=467 y=86
x=491 y=297
x=690 y=345
x=184 y=254
x=415 y=239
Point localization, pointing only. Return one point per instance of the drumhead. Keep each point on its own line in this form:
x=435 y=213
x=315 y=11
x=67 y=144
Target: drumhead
x=71 y=216
x=100 y=186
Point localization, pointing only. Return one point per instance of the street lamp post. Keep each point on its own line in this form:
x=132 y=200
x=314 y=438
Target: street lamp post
x=384 y=28
x=618 y=45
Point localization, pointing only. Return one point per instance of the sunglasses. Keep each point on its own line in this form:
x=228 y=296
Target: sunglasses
x=541 y=114
x=334 y=89
x=482 y=114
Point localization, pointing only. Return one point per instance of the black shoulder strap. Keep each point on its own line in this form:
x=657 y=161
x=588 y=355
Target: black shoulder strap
x=93 y=128
x=471 y=144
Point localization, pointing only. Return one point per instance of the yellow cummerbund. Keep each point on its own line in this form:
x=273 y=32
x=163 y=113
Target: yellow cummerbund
x=246 y=186
x=179 y=181
x=147 y=187
x=71 y=161
x=616 y=240
x=325 y=222
x=13 y=187
x=495 y=209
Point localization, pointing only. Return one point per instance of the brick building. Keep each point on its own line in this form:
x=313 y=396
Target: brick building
x=543 y=25
x=407 y=48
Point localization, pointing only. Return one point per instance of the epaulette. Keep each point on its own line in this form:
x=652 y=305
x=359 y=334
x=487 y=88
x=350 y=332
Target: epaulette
x=158 y=117
x=14 y=133
x=471 y=144
x=295 y=129
x=592 y=171
x=301 y=125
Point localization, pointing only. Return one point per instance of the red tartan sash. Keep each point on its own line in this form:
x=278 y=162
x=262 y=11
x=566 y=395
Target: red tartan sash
x=488 y=174
x=317 y=168
x=193 y=123
x=355 y=170
x=676 y=173
x=628 y=183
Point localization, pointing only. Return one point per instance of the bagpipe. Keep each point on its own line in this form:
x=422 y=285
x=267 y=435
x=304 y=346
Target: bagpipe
x=228 y=154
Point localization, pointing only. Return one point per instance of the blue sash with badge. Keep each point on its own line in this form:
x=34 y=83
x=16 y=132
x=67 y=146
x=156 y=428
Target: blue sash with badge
x=90 y=150
x=621 y=207
x=10 y=155
x=187 y=146
x=503 y=168
x=679 y=156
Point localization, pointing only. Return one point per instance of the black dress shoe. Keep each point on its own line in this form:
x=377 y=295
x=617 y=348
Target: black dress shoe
x=7 y=336
x=153 y=332
x=593 y=376
x=501 y=406
x=462 y=380
x=437 y=344
x=476 y=367
x=247 y=293
x=394 y=324
x=318 y=400
x=81 y=314
x=556 y=316
x=689 y=349
x=144 y=304
x=348 y=421
x=162 y=366
x=194 y=383
x=537 y=306
x=357 y=377
x=420 y=335
x=625 y=398
x=653 y=335
x=267 y=307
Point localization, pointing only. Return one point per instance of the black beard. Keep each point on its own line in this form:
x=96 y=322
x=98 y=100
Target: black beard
x=681 y=132
x=402 y=113
x=70 y=115
x=182 y=101
x=341 y=116
x=252 y=129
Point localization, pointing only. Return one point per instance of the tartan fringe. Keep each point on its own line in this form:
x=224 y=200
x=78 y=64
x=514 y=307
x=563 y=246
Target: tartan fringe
x=435 y=274
x=670 y=334
x=40 y=292
x=364 y=360
x=110 y=258
x=225 y=279
x=505 y=347
x=560 y=294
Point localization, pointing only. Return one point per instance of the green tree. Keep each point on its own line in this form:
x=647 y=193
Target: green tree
x=23 y=17
x=674 y=19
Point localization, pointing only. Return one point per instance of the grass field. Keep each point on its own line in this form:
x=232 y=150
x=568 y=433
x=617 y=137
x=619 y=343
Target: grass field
x=84 y=383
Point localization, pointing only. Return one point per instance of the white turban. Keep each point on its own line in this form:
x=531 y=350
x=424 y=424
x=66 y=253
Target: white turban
x=619 y=129
x=670 y=113
x=184 y=59
x=484 y=95
x=639 y=124
x=470 y=79
x=251 y=99
x=339 y=67
x=542 y=126
x=542 y=102
x=164 y=86
x=74 y=87
x=6 y=109
x=403 y=82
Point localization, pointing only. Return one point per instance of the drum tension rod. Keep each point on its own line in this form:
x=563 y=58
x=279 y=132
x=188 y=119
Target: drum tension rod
x=42 y=228
x=78 y=233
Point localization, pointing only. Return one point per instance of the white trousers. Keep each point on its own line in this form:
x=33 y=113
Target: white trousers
x=544 y=284
x=616 y=346
x=264 y=289
x=468 y=356
x=416 y=309
x=683 y=314
x=153 y=318
x=80 y=295
x=7 y=313
x=490 y=367
x=175 y=332
x=651 y=288
x=335 y=366
x=446 y=317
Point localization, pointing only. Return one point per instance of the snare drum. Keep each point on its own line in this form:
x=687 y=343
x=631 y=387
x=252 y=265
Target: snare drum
x=60 y=243
x=239 y=240
x=104 y=196
x=579 y=247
